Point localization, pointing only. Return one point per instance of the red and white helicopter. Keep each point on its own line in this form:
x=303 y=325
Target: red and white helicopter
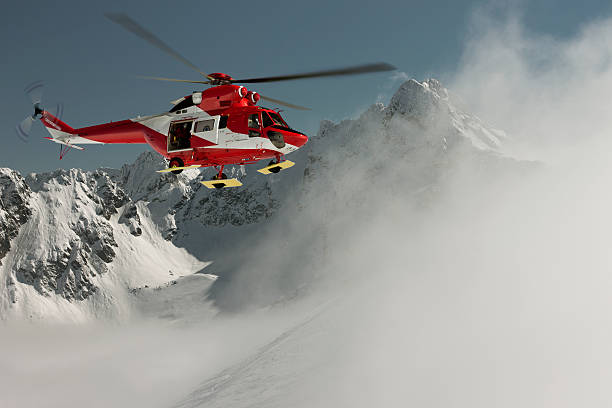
x=218 y=126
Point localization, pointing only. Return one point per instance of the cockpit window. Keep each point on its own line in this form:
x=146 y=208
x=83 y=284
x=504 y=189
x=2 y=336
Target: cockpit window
x=266 y=119
x=277 y=119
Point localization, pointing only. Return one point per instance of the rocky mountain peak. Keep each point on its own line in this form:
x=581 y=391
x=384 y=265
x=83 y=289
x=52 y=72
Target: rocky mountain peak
x=14 y=207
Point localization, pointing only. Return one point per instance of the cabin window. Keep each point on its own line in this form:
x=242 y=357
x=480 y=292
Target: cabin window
x=254 y=121
x=223 y=122
x=204 y=125
x=185 y=103
x=254 y=124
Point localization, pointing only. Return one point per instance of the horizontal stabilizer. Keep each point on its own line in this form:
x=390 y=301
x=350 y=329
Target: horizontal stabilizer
x=222 y=183
x=64 y=143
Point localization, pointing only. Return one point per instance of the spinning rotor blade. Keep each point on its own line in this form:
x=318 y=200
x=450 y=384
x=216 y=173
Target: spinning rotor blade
x=24 y=128
x=126 y=22
x=175 y=80
x=287 y=104
x=34 y=91
x=59 y=111
x=359 y=69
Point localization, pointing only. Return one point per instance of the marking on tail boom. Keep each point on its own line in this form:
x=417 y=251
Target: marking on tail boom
x=52 y=123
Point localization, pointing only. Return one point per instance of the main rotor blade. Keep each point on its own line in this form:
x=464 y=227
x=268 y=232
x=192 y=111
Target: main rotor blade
x=126 y=22
x=283 y=103
x=175 y=80
x=359 y=69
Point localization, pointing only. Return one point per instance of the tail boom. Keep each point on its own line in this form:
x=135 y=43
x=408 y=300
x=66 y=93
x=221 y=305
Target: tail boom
x=61 y=132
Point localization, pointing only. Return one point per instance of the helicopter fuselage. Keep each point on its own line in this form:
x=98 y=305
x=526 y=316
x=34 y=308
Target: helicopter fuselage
x=221 y=125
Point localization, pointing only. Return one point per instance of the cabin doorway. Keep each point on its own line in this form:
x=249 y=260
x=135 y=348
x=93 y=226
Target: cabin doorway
x=179 y=136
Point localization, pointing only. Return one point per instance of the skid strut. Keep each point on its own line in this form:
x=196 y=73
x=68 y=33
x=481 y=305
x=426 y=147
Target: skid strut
x=220 y=181
x=220 y=174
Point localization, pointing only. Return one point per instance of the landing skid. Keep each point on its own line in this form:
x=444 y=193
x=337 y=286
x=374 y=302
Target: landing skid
x=220 y=180
x=276 y=167
x=222 y=183
x=195 y=166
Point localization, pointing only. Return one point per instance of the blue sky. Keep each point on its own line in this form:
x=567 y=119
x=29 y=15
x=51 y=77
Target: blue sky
x=91 y=65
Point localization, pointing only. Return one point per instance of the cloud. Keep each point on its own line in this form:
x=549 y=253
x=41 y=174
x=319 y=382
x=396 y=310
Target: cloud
x=548 y=92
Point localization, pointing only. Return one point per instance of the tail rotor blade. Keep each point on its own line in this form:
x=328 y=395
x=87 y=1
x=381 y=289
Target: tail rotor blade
x=24 y=128
x=35 y=91
x=59 y=110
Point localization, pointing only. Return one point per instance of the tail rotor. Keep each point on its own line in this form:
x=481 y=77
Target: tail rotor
x=34 y=92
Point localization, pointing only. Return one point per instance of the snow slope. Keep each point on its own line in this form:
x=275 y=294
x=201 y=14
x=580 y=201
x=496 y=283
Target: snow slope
x=75 y=259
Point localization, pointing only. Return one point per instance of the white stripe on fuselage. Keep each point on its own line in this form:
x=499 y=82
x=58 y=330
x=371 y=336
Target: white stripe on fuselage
x=226 y=138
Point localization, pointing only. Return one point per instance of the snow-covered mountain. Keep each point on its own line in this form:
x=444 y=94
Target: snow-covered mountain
x=74 y=245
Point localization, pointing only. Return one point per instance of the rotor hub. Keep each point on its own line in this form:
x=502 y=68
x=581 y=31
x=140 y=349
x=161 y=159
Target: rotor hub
x=38 y=110
x=219 y=78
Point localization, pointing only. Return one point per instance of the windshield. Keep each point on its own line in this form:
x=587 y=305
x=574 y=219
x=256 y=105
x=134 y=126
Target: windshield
x=275 y=119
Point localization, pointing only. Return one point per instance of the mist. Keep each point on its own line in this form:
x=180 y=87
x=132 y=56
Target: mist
x=551 y=94
x=457 y=279
x=408 y=272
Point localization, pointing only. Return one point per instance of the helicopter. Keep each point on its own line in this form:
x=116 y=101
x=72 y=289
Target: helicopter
x=219 y=126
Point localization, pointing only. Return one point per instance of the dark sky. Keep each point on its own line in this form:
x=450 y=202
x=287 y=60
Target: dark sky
x=91 y=65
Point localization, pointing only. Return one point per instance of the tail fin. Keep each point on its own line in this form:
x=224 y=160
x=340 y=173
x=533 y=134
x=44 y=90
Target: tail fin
x=55 y=126
x=60 y=132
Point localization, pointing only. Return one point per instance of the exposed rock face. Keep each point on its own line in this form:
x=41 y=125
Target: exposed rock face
x=431 y=106
x=70 y=237
x=14 y=209
x=185 y=200
x=131 y=218
x=228 y=207
x=110 y=195
x=424 y=103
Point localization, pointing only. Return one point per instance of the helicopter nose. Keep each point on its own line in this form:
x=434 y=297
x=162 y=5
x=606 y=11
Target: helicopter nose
x=296 y=139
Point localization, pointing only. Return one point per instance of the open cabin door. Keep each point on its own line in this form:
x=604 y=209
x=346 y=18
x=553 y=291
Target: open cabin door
x=179 y=136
